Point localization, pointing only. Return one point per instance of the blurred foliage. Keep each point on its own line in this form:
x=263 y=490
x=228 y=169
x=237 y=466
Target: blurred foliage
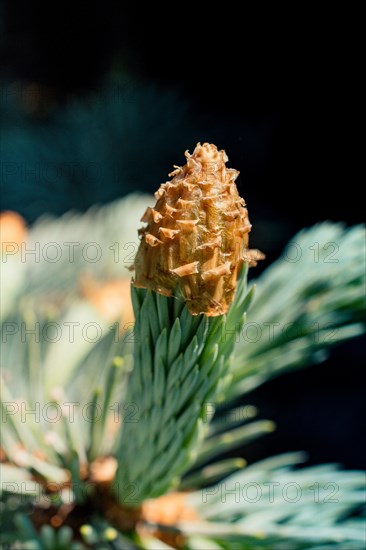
x=86 y=151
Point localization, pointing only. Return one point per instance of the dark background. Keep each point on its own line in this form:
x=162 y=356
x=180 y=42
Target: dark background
x=275 y=88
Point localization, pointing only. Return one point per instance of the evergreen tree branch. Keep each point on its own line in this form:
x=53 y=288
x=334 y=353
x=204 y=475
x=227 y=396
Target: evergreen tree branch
x=179 y=360
x=309 y=300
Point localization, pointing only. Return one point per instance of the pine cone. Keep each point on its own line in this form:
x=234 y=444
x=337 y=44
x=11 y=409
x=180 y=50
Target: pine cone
x=196 y=237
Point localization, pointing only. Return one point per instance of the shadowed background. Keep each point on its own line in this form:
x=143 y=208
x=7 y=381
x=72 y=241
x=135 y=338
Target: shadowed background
x=97 y=102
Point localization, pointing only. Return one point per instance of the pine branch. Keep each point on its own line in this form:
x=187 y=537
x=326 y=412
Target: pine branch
x=309 y=306
x=303 y=307
x=179 y=360
x=273 y=505
x=183 y=366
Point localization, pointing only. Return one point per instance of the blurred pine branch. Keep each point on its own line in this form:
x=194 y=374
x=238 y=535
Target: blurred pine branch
x=309 y=300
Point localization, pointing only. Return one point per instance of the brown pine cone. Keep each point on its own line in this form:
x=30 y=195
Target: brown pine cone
x=196 y=237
